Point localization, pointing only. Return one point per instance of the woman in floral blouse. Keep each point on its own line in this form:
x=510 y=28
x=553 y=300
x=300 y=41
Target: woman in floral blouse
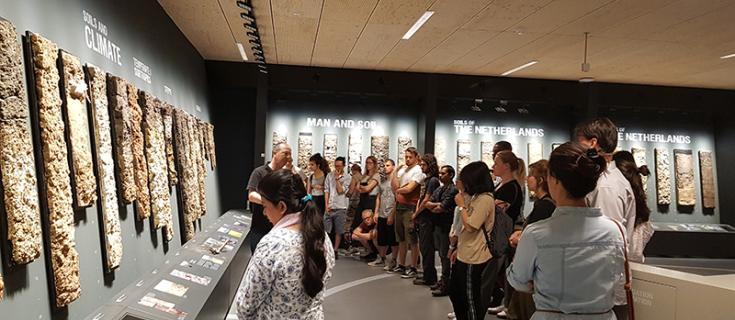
x=287 y=274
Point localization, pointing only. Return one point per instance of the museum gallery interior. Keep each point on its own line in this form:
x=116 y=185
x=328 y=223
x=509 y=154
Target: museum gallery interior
x=129 y=131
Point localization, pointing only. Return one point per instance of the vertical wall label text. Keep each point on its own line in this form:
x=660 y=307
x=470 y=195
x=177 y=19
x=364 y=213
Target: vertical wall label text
x=95 y=36
x=141 y=70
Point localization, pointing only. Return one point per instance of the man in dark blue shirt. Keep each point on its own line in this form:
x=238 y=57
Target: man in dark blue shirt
x=442 y=205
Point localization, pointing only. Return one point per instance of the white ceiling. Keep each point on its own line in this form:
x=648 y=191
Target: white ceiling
x=665 y=42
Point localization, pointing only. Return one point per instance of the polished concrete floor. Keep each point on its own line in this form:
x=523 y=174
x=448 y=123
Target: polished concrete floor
x=359 y=292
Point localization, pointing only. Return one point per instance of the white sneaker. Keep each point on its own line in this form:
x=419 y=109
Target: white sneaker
x=451 y=316
x=378 y=262
x=389 y=265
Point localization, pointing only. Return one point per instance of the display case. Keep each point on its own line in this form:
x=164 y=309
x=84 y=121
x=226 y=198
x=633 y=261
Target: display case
x=199 y=281
x=700 y=240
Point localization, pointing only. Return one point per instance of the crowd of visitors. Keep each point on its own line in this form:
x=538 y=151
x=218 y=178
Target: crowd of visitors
x=566 y=259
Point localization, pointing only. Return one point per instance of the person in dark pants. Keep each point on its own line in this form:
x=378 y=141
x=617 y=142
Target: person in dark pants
x=260 y=226
x=472 y=255
x=442 y=205
x=424 y=219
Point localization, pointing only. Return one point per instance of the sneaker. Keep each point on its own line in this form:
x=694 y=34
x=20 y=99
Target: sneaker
x=409 y=274
x=399 y=269
x=442 y=291
x=502 y=315
x=369 y=257
x=378 y=262
x=422 y=282
x=451 y=316
x=437 y=285
x=389 y=265
x=496 y=310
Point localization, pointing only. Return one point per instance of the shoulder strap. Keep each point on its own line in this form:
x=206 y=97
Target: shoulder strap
x=628 y=279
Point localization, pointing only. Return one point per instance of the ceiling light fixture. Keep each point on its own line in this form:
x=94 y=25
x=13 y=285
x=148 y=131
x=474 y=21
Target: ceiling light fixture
x=523 y=110
x=586 y=79
x=242 y=51
x=244 y=5
x=585 y=64
x=501 y=106
x=420 y=22
x=475 y=107
x=728 y=56
x=520 y=68
x=253 y=35
x=247 y=17
x=250 y=27
x=255 y=43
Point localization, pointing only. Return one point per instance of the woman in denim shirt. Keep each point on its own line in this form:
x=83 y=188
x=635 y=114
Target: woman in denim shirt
x=573 y=261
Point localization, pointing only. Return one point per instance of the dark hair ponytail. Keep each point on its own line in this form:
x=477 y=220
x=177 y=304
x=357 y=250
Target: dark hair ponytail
x=577 y=168
x=283 y=185
x=322 y=163
x=625 y=162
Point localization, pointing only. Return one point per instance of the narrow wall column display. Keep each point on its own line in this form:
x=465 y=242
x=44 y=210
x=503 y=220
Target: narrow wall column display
x=198 y=156
x=684 y=167
x=211 y=148
x=330 y=148
x=354 y=149
x=187 y=178
x=140 y=165
x=155 y=152
x=486 y=153
x=17 y=163
x=663 y=177
x=464 y=153
x=108 y=207
x=403 y=144
x=707 y=174
x=305 y=146
x=75 y=110
x=64 y=257
x=639 y=154
x=120 y=111
x=440 y=150
x=535 y=152
x=167 y=114
x=380 y=149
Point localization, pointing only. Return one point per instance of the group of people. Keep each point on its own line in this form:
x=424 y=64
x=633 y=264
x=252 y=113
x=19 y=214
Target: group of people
x=567 y=259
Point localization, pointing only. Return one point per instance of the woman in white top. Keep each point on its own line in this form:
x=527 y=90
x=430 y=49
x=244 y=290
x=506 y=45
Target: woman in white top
x=287 y=274
x=573 y=261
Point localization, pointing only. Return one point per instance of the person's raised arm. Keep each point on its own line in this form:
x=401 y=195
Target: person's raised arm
x=254 y=197
x=338 y=184
x=372 y=183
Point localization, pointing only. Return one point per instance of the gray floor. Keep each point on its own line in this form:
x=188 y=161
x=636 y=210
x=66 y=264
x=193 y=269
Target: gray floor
x=358 y=292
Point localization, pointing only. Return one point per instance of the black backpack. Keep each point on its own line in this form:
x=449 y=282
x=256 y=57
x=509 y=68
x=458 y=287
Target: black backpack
x=499 y=242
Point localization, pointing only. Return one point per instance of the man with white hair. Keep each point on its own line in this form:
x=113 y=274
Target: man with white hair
x=260 y=225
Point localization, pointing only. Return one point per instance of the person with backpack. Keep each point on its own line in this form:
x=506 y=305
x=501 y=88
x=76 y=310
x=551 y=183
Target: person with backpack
x=477 y=217
x=574 y=261
x=509 y=197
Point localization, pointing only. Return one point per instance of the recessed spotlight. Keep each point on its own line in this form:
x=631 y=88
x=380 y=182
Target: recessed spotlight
x=420 y=22
x=520 y=68
x=244 y=5
x=250 y=27
x=523 y=110
x=728 y=56
x=500 y=109
x=586 y=79
x=247 y=17
x=253 y=35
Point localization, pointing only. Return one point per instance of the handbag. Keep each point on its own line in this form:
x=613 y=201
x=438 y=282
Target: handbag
x=628 y=279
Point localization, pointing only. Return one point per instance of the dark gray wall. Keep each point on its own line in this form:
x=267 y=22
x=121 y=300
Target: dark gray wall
x=141 y=29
